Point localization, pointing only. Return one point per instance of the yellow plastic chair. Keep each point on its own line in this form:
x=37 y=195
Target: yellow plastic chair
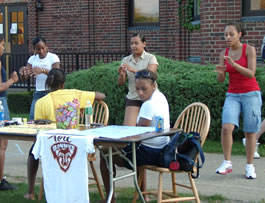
x=196 y=118
x=100 y=116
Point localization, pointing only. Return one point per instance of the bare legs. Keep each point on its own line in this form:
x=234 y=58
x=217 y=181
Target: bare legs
x=130 y=117
x=32 y=167
x=262 y=130
x=3 y=146
x=227 y=142
x=250 y=146
x=105 y=173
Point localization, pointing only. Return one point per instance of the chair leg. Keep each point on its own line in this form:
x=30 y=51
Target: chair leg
x=97 y=180
x=194 y=189
x=160 y=188
x=174 y=186
x=41 y=190
x=140 y=180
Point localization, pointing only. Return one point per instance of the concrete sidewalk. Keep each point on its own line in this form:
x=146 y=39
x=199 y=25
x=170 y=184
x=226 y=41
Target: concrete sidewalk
x=234 y=186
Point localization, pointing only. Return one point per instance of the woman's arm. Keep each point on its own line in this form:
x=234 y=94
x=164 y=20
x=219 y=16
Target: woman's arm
x=220 y=69
x=122 y=75
x=152 y=67
x=143 y=122
x=250 y=70
x=5 y=85
x=38 y=70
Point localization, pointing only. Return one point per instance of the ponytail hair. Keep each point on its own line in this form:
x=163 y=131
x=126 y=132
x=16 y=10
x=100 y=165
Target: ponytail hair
x=56 y=79
x=36 y=40
x=238 y=28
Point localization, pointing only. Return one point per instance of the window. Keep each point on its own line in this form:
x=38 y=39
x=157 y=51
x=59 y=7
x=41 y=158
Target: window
x=196 y=10
x=17 y=28
x=253 y=7
x=143 y=12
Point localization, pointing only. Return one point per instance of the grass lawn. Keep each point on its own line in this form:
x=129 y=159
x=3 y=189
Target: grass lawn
x=123 y=195
x=237 y=149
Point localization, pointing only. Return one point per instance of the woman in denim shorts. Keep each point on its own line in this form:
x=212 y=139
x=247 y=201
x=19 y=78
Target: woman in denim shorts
x=243 y=97
x=4 y=85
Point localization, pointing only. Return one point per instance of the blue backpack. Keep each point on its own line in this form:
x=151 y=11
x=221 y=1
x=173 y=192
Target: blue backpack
x=188 y=146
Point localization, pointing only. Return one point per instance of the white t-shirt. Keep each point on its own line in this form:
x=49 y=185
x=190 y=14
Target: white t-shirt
x=47 y=62
x=64 y=166
x=157 y=105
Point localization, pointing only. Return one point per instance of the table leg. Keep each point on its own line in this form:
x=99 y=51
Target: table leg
x=135 y=175
x=110 y=175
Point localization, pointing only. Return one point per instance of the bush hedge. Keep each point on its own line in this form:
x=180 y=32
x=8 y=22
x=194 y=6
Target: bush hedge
x=181 y=82
x=19 y=103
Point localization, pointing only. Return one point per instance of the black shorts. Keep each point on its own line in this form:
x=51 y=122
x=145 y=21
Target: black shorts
x=144 y=155
x=130 y=102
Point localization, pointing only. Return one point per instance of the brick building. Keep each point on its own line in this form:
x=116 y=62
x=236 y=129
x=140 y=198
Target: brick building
x=106 y=25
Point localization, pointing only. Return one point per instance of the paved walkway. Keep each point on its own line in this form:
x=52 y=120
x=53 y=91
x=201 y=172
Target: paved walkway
x=233 y=186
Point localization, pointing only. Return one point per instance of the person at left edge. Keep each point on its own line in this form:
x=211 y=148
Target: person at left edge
x=4 y=85
x=38 y=66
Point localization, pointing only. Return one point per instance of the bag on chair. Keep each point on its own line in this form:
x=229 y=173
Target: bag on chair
x=188 y=151
x=168 y=153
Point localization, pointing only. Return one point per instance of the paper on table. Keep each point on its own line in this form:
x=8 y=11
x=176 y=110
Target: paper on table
x=116 y=131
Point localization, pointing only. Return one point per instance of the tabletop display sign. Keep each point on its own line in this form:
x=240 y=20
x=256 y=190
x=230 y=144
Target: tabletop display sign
x=67 y=115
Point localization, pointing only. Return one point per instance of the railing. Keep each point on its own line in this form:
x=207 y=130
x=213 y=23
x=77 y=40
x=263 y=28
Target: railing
x=69 y=62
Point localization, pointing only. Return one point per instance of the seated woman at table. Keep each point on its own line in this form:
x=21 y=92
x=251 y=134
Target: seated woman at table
x=154 y=104
x=44 y=109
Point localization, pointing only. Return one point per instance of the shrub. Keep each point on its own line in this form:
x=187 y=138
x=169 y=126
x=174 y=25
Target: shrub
x=181 y=82
x=19 y=102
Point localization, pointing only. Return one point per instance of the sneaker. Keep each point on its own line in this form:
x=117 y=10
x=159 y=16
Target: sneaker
x=4 y=185
x=244 y=141
x=250 y=172
x=226 y=167
x=256 y=155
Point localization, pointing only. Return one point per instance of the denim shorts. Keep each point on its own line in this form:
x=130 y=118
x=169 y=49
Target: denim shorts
x=37 y=95
x=6 y=111
x=249 y=104
x=144 y=155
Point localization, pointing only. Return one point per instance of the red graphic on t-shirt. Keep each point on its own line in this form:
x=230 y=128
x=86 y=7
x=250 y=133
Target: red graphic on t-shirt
x=64 y=153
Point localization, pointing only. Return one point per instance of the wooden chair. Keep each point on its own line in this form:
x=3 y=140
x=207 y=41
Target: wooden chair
x=196 y=118
x=100 y=116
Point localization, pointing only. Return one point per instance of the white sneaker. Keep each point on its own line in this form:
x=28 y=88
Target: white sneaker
x=226 y=167
x=250 y=171
x=244 y=141
x=256 y=155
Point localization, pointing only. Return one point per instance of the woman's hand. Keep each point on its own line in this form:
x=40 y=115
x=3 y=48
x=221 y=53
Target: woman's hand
x=37 y=70
x=220 y=69
x=122 y=77
x=25 y=71
x=14 y=77
x=229 y=60
x=129 y=68
x=122 y=71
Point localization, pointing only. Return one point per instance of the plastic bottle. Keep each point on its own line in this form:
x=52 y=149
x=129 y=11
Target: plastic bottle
x=88 y=114
x=2 y=122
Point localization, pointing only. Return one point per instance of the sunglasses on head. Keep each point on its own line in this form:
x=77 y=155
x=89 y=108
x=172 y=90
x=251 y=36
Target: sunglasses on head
x=144 y=74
